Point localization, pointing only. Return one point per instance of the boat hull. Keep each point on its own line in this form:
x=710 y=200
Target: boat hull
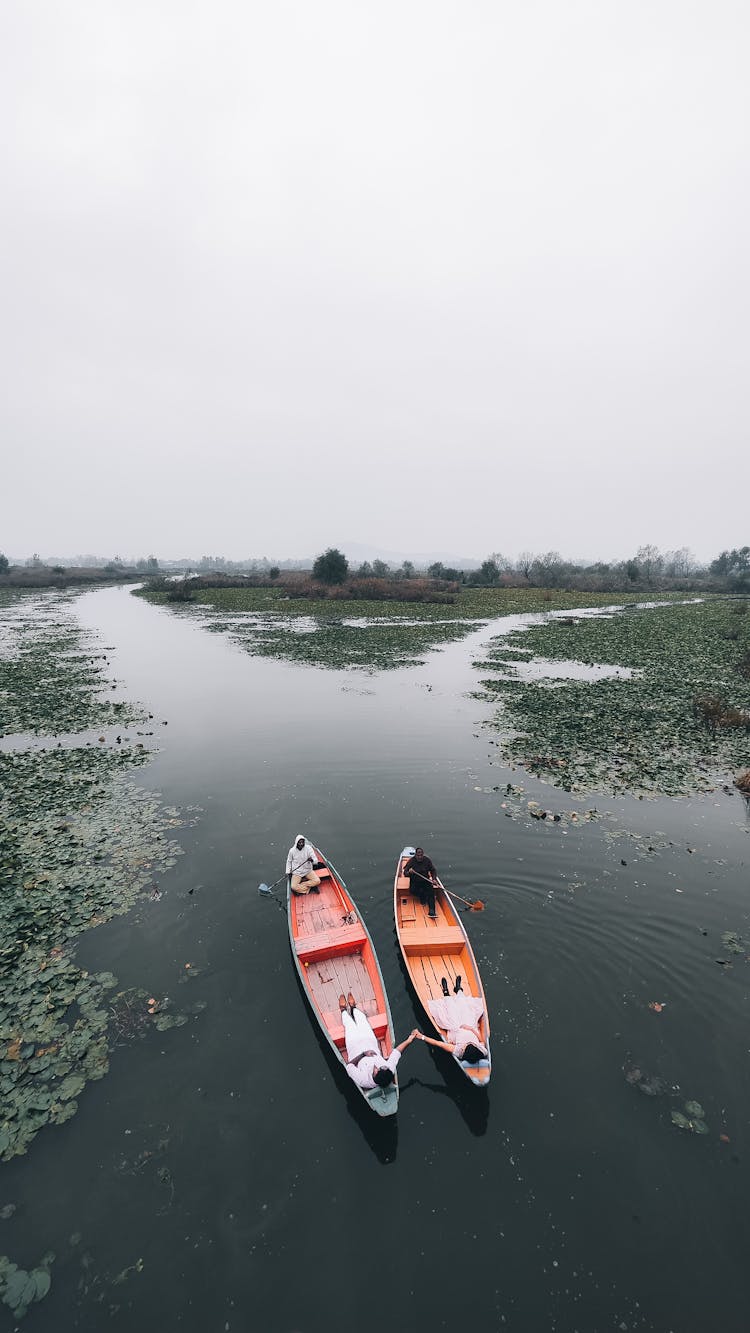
x=334 y=954
x=432 y=949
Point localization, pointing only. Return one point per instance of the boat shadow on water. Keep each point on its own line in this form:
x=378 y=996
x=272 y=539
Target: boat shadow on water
x=473 y=1104
x=381 y=1135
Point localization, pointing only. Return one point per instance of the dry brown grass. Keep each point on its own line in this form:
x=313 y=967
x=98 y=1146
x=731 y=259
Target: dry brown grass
x=375 y=590
x=715 y=712
x=742 y=782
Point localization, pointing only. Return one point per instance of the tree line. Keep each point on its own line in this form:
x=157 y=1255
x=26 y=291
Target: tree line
x=647 y=568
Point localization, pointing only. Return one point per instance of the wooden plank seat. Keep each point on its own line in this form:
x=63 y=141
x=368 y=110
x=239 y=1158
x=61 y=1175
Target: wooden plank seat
x=403 y=884
x=329 y=943
x=442 y=939
x=378 y=1023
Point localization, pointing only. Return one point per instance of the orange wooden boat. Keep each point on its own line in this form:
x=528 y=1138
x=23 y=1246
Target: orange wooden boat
x=334 y=954
x=437 y=948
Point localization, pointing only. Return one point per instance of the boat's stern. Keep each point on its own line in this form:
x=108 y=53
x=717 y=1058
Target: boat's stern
x=383 y=1101
x=478 y=1074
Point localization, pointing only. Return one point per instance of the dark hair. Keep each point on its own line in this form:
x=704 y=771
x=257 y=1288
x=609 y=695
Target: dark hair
x=383 y=1077
x=472 y=1054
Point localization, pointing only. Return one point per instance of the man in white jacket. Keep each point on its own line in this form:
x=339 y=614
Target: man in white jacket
x=364 y=1063
x=299 y=864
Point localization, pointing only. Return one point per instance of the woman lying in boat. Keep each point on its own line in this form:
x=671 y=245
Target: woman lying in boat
x=364 y=1063
x=458 y=1015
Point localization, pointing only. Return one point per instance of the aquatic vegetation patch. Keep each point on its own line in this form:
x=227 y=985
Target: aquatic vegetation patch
x=20 y=1289
x=51 y=677
x=80 y=843
x=640 y=734
x=692 y=1118
x=336 y=645
x=377 y=644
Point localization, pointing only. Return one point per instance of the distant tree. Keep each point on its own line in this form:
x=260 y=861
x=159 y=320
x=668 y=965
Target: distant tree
x=364 y=571
x=650 y=562
x=502 y=561
x=4 y=563
x=632 y=571
x=440 y=571
x=489 y=574
x=58 y=569
x=34 y=562
x=729 y=562
x=526 y=563
x=274 y=572
x=733 y=565
x=679 y=564
x=407 y=570
x=152 y=564
x=549 y=569
x=331 y=567
x=380 y=569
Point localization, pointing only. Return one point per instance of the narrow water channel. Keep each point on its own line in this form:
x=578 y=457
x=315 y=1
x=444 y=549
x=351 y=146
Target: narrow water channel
x=226 y=1170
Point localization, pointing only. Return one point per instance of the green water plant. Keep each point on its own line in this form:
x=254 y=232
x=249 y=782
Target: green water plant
x=80 y=844
x=19 y=1288
x=642 y=732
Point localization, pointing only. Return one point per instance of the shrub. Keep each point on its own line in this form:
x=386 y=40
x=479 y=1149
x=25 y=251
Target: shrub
x=331 y=567
x=4 y=563
x=742 y=782
x=181 y=592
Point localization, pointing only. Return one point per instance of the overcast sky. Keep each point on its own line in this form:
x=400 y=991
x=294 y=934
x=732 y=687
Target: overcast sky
x=461 y=277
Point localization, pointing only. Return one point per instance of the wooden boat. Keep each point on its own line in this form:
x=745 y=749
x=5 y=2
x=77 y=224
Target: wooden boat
x=437 y=948
x=334 y=954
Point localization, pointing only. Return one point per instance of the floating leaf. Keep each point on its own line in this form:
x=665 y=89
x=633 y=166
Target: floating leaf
x=165 y=1021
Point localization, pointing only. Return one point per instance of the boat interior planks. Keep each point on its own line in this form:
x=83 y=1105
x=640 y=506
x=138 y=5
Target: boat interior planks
x=433 y=948
x=334 y=955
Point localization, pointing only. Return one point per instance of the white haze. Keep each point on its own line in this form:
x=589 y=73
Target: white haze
x=439 y=276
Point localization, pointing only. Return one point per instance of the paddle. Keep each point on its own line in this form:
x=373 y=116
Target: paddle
x=476 y=906
x=267 y=888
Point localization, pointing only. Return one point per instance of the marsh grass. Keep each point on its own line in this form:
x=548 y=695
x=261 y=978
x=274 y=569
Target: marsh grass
x=445 y=617
x=671 y=730
x=80 y=844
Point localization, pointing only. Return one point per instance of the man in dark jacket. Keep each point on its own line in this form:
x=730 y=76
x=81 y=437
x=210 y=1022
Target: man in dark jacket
x=422 y=877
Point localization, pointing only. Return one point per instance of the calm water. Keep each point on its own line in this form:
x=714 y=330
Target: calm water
x=564 y=1199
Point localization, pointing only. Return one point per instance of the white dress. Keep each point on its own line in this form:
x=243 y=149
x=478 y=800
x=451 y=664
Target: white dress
x=458 y=1016
x=360 y=1037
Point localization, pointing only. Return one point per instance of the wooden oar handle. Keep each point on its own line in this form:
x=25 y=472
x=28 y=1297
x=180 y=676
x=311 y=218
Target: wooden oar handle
x=450 y=891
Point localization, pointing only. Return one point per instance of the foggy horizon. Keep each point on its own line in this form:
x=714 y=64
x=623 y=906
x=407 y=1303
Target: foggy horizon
x=427 y=277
